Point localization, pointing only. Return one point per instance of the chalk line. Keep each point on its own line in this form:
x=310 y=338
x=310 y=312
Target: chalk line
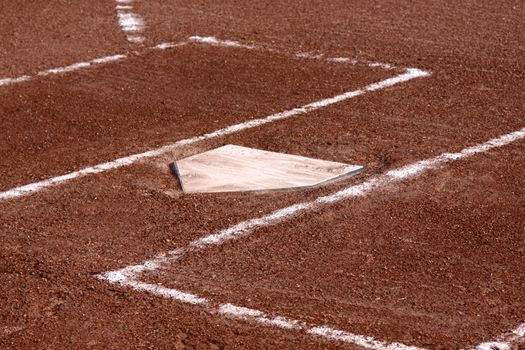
x=9 y=81
x=409 y=74
x=129 y=276
x=211 y=40
x=131 y=23
x=259 y=317
x=505 y=341
x=65 y=69
x=169 y=45
x=83 y=65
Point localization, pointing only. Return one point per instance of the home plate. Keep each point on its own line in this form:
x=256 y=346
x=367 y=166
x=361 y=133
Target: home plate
x=234 y=168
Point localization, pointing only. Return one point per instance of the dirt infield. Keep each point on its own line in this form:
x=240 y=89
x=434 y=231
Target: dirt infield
x=427 y=256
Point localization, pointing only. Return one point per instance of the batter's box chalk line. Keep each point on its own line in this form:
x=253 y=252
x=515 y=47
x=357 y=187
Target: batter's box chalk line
x=406 y=75
x=131 y=23
x=130 y=276
x=209 y=40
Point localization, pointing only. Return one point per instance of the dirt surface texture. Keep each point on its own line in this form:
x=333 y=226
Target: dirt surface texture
x=101 y=249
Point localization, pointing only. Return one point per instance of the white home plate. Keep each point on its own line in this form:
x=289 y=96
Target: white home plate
x=234 y=168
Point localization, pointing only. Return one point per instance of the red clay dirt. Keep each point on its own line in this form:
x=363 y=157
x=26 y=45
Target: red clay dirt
x=36 y=35
x=434 y=262
x=56 y=125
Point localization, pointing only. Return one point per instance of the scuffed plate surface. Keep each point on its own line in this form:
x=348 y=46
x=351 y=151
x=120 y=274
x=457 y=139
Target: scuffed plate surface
x=234 y=168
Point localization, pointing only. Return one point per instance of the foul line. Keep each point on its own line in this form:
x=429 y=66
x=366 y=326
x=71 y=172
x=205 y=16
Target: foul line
x=409 y=74
x=209 y=40
x=505 y=341
x=129 y=276
x=132 y=24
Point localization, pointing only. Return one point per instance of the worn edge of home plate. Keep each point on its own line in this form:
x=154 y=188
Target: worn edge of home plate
x=191 y=182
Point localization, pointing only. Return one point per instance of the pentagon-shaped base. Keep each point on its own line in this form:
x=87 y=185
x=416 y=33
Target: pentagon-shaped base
x=234 y=168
